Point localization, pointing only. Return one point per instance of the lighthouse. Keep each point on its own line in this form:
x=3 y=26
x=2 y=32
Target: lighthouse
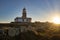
x=24 y=13
x=23 y=18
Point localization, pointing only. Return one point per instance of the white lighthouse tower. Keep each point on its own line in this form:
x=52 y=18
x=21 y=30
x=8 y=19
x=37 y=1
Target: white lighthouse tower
x=24 y=17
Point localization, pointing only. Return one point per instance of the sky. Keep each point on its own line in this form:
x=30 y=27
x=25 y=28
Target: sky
x=38 y=10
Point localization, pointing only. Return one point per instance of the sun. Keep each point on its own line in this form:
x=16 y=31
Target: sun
x=56 y=20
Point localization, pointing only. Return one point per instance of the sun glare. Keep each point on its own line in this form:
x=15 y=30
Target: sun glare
x=56 y=20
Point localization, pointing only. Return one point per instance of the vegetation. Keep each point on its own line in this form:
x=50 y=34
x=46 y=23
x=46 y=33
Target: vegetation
x=30 y=35
x=42 y=31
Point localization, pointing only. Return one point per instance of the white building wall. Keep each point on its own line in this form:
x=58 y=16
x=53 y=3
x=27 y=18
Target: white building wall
x=20 y=20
